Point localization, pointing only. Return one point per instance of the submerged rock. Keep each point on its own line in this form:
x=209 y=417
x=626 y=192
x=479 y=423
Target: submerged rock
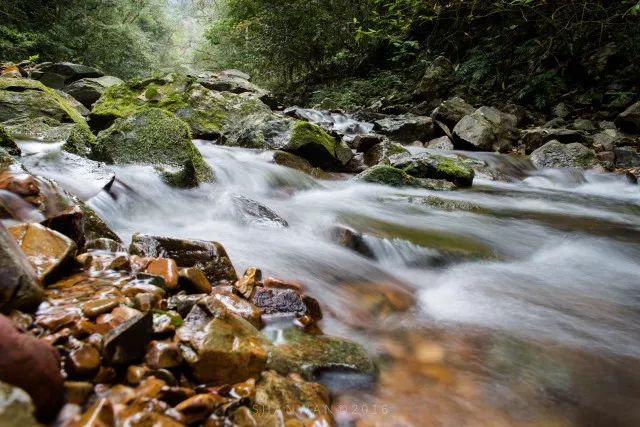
x=154 y=137
x=210 y=257
x=310 y=355
x=557 y=155
x=18 y=288
x=425 y=165
x=389 y=175
x=486 y=129
x=252 y=212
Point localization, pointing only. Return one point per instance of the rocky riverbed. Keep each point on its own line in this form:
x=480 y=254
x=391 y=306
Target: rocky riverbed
x=178 y=250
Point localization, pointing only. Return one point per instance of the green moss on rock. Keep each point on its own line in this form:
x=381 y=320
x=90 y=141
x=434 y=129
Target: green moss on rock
x=389 y=175
x=5 y=160
x=311 y=142
x=207 y=112
x=7 y=142
x=154 y=137
x=426 y=165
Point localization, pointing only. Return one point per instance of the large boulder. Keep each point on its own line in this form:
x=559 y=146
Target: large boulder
x=30 y=110
x=436 y=79
x=554 y=154
x=57 y=75
x=18 y=288
x=210 y=257
x=154 y=137
x=405 y=128
x=627 y=157
x=629 y=119
x=87 y=91
x=32 y=365
x=311 y=142
x=486 y=129
x=209 y=113
x=394 y=177
x=380 y=153
x=425 y=165
x=220 y=347
x=536 y=137
x=451 y=111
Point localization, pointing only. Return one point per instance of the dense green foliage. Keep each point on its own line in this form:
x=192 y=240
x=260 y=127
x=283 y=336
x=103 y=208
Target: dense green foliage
x=524 y=48
x=122 y=37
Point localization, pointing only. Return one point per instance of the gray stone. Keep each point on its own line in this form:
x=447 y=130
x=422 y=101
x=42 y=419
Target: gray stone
x=629 y=119
x=627 y=157
x=557 y=155
x=451 y=111
x=87 y=91
x=487 y=129
x=405 y=128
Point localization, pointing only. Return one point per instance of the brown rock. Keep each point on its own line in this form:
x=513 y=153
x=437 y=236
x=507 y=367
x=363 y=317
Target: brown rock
x=69 y=222
x=196 y=409
x=238 y=306
x=33 y=366
x=100 y=414
x=165 y=268
x=47 y=250
x=271 y=282
x=194 y=281
x=247 y=283
x=127 y=342
x=161 y=355
x=18 y=288
x=77 y=392
x=95 y=308
x=83 y=362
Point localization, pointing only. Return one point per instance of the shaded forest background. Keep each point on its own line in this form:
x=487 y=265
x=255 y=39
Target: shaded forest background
x=353 y=52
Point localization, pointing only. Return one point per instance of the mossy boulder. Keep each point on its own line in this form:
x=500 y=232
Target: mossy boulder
x=425 y=165
x=380 y=153
x=311 y=142
x=394 y=177
x=292 y=161
x=309 y=355
x=208 y=113
x=7 y=142
x=154 y=137
x=77 y=138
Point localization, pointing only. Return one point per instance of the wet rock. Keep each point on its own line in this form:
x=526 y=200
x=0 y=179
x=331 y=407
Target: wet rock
x=59 y=74
x=252 y=212
x=194 y=281
x=75 y=137
x=88 y=90
x=443 y=143
x=247 y=283
x=221 y=348
x=486 y=129
x=104 y=244
x=127 y=342
x=537 y=137
x=629 y=119
x=184 y=303
x=210 y=257
x=627 y=157
x=279 y=301
x=377 y=301
x=388 y=175
x=165 y=268
x=293 y=398
x=97 y=307
x=18 y=288
x=557 y=155
x=5 y=160
x=16 y=407
x=312 y=143
x=292 y=161
x=380 y=153
x=100 y=414
x=82 y=362
x=309 y=355
x=32 y=365
x=362 y=143
x=425 y=165
x=77 y=392
x=351 y=239
x=163 y=355
x=405 y=128
x=69 y=222
x=451 y=111
x=235 y=305
x=166 y=322
x=196 y=409
x=154 y=137
x=48 y=251
x=7 y=142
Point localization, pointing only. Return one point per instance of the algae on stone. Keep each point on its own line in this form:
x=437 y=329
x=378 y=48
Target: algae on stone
x=425 y=165
x=311 y=142
x=7 y=142
x=389 y=175
x=154 y=137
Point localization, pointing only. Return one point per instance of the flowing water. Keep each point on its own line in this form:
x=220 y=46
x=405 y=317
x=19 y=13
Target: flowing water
x=527 y=291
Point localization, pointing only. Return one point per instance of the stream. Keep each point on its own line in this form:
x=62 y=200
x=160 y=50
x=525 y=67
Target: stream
x=527 y=291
